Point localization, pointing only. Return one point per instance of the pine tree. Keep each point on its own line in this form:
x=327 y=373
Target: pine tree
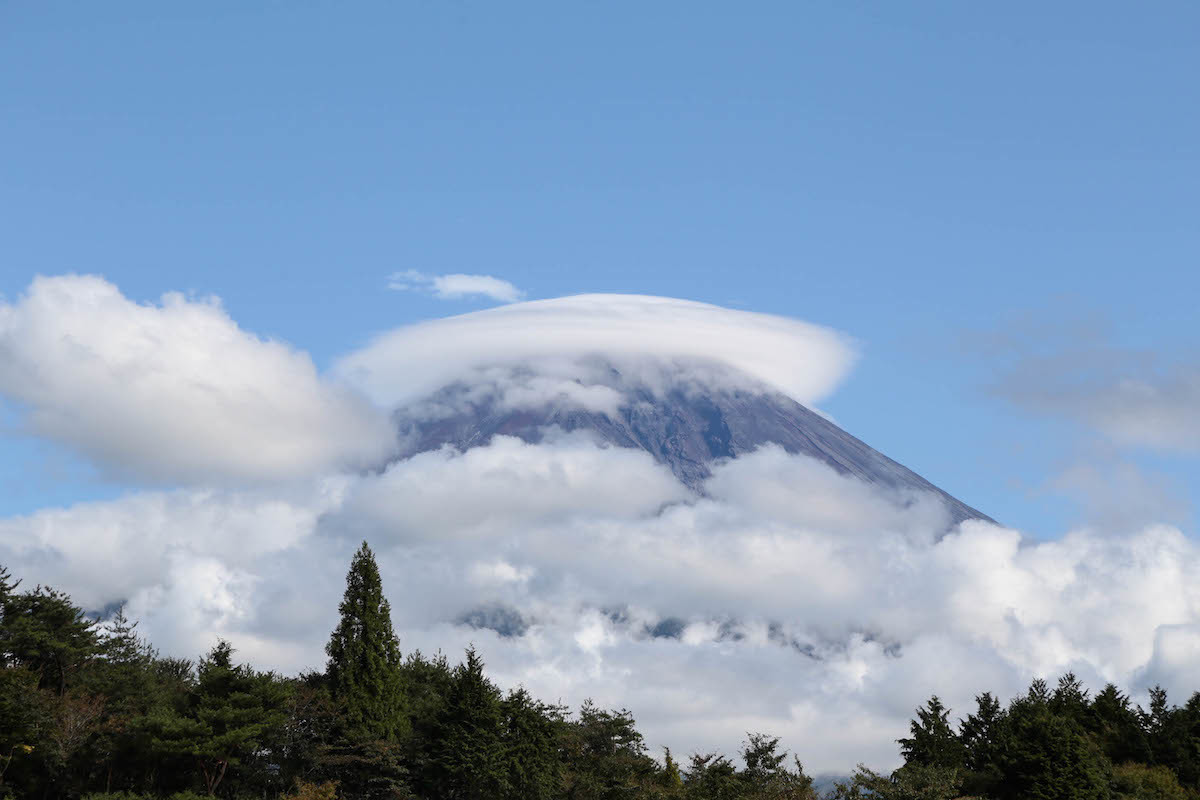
x=44 y=632
x=364 y=657
x=232 y=711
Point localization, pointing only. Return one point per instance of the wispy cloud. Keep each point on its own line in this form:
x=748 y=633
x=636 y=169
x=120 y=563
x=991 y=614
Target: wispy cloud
x=455 y=286
x=1075 y=369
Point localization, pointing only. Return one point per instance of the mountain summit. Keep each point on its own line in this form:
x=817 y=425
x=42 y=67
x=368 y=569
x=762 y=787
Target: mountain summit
x=684 y=425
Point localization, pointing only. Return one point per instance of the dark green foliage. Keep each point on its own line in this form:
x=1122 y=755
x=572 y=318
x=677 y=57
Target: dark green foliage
x=767 y=773
x=933 y=743
x=530 y=767
x=605 y=756
x=982 y=736
x=1070 y=700
x=231 y=712
x=1117 y=727
x=46 y=634
x=712 y=776
x=369 y=769
x=468 y=762
x=913 y=782
x=1049 y=757
x=364 y=657
x=1173 y=735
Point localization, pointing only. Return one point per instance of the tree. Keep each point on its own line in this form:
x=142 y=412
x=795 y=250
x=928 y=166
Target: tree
x=468 y=758
x=981 y=734
x=1117 y=727
x=530 y=762
x=1049 y=757
x=124 y=675
x=231 y=712
x=364 y=657
x=1070 y=699
x=670 y=779
x=912 y=782
x=711 y=776
x=767 y=776
x=1140 y=782
x=605 y=755
x=47 y=634
x=933 y=743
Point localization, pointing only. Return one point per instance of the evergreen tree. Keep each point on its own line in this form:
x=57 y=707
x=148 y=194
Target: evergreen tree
x=47 y=634
x=1049 y=757
x=1117 y=727
x=933 y=742
x=531 y=766
x=364 y=657
x=911 y=782
x=981 y=734
x=1070 y=699
x=468 y=762
x=712 y=776
x=767 y=775
x=231 y=713
x=605 y=755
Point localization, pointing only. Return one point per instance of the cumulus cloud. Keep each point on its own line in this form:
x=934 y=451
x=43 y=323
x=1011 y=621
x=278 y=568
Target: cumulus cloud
x=789 y=598
x=175 y=391
x=566 y=338
x=455 y=286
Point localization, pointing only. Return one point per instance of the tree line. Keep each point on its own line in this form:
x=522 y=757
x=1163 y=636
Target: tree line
x=89 y=709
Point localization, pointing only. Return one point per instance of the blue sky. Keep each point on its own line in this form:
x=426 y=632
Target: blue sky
x=929 y=178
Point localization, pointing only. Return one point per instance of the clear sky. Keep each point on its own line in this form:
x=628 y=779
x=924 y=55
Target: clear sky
x=929 y=178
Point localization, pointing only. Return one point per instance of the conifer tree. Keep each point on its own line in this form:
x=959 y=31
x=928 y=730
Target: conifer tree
x=469 y=759
x=933 y=742
x=364 y=657
x=233 y=710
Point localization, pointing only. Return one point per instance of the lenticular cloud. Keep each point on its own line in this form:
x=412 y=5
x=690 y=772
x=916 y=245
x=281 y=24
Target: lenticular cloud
x=802 y=360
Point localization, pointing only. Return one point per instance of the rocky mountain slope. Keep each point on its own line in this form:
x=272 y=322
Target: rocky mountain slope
x=683 y=428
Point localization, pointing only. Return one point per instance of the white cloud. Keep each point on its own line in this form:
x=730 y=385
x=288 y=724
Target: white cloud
x=455 y=286
x=564 y=338
x=175 y=391
x=787 y=598
x=791 y=599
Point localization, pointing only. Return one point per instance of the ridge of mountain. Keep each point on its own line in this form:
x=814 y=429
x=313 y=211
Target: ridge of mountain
x=683 y=428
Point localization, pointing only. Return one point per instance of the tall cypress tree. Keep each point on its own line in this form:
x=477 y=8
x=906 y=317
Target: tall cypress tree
x=364 y=657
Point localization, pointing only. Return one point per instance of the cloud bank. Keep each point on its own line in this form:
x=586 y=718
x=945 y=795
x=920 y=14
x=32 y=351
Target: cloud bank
x=562 y=338
x=790 y=599
x=787 y=598
x=455 y=286
x=175 y=391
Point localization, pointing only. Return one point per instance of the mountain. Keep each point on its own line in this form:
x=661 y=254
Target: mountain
x=682 y=427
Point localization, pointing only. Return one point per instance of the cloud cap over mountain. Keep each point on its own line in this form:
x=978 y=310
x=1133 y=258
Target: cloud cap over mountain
x=800 y=359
